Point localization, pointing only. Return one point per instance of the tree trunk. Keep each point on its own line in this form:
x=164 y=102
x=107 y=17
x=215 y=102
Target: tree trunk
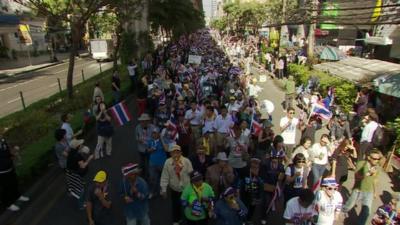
x=117 y=45
x=74 y=48
x=311 y=32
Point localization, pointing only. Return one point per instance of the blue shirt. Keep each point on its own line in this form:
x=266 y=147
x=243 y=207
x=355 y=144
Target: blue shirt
x=228 y=216
x=158 y=156
x=139 y=207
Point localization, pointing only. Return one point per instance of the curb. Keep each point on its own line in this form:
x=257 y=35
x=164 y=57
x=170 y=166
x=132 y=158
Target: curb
x=3 y=75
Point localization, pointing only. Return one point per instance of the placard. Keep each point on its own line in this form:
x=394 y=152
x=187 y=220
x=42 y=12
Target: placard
x=195 y=59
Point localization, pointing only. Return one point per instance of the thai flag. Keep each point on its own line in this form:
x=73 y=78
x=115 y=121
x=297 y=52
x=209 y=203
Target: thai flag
x=121 y=114
x=256 y=127
x=328 y=100
x=321 y=111
x=171 y=126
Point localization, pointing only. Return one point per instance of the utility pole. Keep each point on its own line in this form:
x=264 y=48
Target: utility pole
x=284 y=29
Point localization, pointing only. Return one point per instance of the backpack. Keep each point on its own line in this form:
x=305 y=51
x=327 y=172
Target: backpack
x=377 y=138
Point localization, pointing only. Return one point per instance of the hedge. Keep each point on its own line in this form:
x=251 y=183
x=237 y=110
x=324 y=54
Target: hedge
x=33 y=128
x=345 y=91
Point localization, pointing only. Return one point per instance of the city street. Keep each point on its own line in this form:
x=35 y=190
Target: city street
x=43 y=83
x=54 y=206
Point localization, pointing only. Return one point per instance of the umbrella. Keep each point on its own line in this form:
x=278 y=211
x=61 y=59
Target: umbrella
x=267 y=106
x=329 y=53
x=389 y=84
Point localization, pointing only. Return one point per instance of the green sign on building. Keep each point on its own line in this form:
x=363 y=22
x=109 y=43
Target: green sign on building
x=329 y=9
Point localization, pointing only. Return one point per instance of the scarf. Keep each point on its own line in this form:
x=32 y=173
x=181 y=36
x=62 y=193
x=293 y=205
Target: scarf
x=178 y=166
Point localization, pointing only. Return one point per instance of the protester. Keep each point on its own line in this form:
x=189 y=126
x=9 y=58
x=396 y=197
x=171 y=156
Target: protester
x=61 y=148
x=132 y=71
x=157 y=158
x=176 y=175
x=290 y=92
x=265 y=139
x=304 y=148
x=77 y=168
x=97 y=92
x=296 y=177
x=309 y=129
x=364 y=189
x=340 y=129
x=319 y=156
x=343 y=156
x=143 y=131
x=220 y=175
x=116 y=86
x=98 y=203
x=9 y=190
x=65 y=119
x=289 y=125
x=388 y=213
x=230 y=210
x=105 y=132
x=134 y=191
x=328 y=202
x=252 y=188
x=200 y=161
x=370 y=122
x=300 y=210
x=197 y=200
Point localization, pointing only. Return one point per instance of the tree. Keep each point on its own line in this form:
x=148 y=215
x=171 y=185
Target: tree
x=74 y=12
x=175 y=17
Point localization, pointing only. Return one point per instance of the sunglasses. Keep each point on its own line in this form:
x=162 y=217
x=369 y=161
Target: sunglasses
x=291 y=113
x=375 y=159
x=332 y=188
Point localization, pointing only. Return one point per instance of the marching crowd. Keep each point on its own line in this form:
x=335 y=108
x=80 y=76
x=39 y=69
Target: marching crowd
x=206 y=140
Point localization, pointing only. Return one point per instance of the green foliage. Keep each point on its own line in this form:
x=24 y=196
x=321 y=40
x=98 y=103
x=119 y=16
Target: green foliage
x=345 y=91
x=103 y=24
x=219 y=24
x=175 y=17
x=395 y=127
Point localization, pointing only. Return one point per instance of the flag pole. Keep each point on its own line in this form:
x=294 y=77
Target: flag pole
x=309 y=116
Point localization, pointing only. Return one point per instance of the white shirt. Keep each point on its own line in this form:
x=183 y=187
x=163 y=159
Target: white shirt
x=294 y=210
x=299 y=180
x=289 y=134
x=254 y=89
x=193 y=117
x=70 y=133
x=131 y=69
x=222 y=125
x=316 y=151
x=368 y=131
x=209 y=125
x=327 y=207
x=303 y=151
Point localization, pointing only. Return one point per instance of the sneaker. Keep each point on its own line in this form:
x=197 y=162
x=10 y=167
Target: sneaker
x=13 y=208
x=150 y=195
x=23 y=198
x=263 y=222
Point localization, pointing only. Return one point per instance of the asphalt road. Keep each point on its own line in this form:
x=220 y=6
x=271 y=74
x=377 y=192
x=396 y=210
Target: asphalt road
x=43 y=83
x=54 y=207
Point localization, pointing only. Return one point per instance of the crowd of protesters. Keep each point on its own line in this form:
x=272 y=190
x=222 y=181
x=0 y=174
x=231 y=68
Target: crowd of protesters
x=205 y=140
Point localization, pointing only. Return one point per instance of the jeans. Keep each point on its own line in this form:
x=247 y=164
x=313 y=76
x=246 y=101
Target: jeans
x=317 y=171
x=142 y=221
x=101 y=142
x=155 y=175
x=176 y=206
x=366 y=202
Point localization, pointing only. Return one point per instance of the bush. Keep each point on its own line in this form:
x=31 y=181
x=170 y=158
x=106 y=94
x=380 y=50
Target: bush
x=345 y=91
x=33 y=129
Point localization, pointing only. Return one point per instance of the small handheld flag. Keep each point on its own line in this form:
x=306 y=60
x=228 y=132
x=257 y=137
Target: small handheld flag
x=120 y=113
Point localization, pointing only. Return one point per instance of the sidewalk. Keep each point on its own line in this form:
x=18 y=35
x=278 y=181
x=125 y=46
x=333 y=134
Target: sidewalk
x=9 y=67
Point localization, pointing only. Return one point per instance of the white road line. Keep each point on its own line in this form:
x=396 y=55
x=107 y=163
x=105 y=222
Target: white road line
x=14 y=100
x=53 y=85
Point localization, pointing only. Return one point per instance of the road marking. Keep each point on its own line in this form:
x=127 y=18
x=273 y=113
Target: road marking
x=53 y=85
x=14 y=100
x=64 y=70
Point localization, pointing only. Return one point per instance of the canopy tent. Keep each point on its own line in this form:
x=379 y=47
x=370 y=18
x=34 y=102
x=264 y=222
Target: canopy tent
x=329 y=53
x=388 y=84
x=359 y=70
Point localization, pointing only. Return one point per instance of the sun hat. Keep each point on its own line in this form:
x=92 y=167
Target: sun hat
x=130 y=168
x=222 y=156
x=144 y=117
x=180 y=98
x=100 y=176
x=85 y=149
x=174 y=148
x=229 y=191
x=329 y=181
x=195 y=176
x=75 y=143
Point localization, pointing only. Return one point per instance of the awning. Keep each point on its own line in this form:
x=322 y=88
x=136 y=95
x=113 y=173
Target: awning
x=359 y=70
x=388 y=84
x=9 y=20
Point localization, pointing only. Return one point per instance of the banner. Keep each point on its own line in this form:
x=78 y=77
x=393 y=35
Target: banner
x=194 y=59
x=24 y=35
